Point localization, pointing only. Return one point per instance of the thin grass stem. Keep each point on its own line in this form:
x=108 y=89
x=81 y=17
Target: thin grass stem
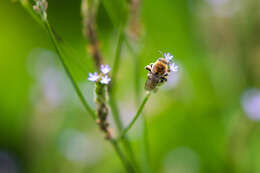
x=113 y=103
x=140 y=109
x=123 y=159
x=75 y=85
x=55 y=42
x=145 y=143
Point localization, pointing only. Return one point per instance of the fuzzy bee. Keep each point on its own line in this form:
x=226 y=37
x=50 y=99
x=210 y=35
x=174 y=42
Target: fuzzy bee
x=158 y=73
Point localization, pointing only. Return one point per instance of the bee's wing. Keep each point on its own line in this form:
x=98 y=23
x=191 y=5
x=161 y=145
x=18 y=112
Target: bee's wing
x=151 y=83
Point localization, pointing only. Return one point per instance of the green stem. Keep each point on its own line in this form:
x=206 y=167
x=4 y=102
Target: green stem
x=80 y=95
x=75 y=86
x=136 y=71
x=145 y=144
x=146 y=147
x=113 y=103
x=92 y=113
x=27 y=6
x=140 y=109
x=128 y=167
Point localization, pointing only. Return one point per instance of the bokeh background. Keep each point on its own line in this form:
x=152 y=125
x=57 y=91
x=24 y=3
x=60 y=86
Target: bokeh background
x=205 y=119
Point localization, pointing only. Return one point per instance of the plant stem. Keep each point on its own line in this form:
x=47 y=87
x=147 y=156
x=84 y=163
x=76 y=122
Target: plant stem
x=128 y=167
x=145 y=143
x=92 y=113
x=145 y=147
x=140 y=109
x=113 y=103
x=136 y=71
x=27 y=6
x=55 y=42
x=75 y=86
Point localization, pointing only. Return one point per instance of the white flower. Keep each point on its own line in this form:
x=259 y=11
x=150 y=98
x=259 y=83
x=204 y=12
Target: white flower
x=168 y=56
x=105 y=68
x=93 y=77
x=105 y=80
x=174 y=67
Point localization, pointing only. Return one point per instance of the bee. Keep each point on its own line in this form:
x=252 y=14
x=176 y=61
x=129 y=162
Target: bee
x=158 y=73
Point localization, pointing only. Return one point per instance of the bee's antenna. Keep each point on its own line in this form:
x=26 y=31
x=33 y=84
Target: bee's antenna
x=160 y=52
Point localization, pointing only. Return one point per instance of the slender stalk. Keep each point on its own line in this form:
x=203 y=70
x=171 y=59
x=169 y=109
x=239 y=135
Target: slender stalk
x=113 y=103
x=27 y=6
x=113 y=142
x=146 y=147
x=55 y=42
x=145 y=143
x=128 y=167
x=89 y=11
x=140 y=109
x=75 y=86
x=136 y=71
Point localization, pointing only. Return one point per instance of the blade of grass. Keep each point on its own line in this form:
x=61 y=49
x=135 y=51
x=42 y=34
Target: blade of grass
x=128 y=167
x=114 y=143
x=145 y=144
x=75 y=85
x=140 y=109
x=55 y=42
x=113 y=103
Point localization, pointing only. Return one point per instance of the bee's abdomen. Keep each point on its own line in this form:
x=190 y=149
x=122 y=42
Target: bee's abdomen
x=151 y=82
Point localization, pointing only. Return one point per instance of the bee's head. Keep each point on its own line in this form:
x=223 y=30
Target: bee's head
x=163 y=60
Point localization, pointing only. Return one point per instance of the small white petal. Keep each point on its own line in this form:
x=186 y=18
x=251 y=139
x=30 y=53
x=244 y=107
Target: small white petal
x=93 y=77
x=168 y=56
x=105 y=80
x=105 y=68
x=174 y=67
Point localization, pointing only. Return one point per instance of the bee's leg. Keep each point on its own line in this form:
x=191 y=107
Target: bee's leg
x=164 y=78
x=148 y=67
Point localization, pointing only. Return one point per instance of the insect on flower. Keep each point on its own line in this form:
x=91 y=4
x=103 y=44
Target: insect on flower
x=158 y=71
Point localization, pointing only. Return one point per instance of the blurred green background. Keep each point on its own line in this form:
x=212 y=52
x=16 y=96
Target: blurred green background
x=205 y=119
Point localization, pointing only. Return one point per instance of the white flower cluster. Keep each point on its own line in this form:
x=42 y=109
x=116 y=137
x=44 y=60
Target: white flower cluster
x=169 y=58
x=102 y=77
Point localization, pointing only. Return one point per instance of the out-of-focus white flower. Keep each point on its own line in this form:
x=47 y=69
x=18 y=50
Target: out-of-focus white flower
x=251 y=103
x=93 y=77
x=105 y=68
x=105 y=80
